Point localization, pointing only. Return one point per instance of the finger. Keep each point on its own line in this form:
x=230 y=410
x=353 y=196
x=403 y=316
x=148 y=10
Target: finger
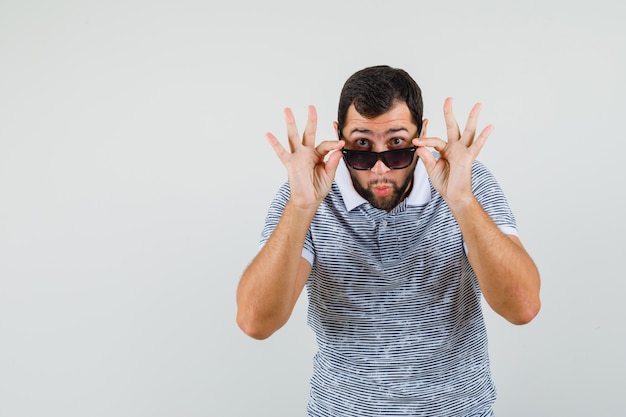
x=279 y=150
x=328 y=146
x=311 y=127
x=482 y=138
x=452 y=127
x=435 y=143
x=427 y=158
x=333 y=163
x=470 y=127
x=292 y=130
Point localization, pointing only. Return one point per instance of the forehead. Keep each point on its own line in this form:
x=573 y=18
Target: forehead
x=398 y=117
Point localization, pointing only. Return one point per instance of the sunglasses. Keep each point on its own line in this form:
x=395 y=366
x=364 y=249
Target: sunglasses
x=364 y=160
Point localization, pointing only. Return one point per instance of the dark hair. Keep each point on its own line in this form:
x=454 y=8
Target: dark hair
x=374 y=90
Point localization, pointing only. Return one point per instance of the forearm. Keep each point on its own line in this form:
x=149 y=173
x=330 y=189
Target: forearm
x=508 y=277
x=271 y=284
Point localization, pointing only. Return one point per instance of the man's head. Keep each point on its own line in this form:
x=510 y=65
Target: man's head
x=380 y=110
x=374 y=90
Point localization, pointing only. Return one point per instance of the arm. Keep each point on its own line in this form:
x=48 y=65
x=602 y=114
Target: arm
x=271 y=284
x=508 y=277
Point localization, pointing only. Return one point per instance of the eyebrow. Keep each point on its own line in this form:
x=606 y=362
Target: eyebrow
x=368 y=131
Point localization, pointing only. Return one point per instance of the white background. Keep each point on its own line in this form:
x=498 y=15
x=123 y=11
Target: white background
x=135 y=176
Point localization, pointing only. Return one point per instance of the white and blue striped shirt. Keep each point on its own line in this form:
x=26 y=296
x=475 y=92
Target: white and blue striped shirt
x=394 y=303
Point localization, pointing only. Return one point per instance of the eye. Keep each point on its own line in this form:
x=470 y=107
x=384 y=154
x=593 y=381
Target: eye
x=396 y=141
x=362 y=142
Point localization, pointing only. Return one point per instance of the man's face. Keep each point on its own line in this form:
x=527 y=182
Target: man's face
x=382 y=186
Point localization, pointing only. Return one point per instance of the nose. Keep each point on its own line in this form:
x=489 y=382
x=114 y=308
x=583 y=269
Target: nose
x=379 y=167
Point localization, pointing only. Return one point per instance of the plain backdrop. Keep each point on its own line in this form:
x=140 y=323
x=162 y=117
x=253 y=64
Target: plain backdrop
x=135 y=177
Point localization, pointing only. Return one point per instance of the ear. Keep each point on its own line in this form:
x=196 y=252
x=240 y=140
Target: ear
x=424 y=128
x=335 y=126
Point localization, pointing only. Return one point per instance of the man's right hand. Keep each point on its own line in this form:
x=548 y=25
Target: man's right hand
x=310 y=176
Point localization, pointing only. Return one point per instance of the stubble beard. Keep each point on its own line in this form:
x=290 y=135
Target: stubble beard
x=384 y=203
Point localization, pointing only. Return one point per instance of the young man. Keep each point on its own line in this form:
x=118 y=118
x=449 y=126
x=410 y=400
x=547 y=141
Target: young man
x=395 y=243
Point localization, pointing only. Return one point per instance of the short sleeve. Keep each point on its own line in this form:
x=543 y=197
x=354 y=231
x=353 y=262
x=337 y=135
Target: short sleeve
x=274 y=213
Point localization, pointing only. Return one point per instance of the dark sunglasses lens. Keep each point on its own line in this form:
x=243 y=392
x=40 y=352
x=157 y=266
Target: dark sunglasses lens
x=361 y=160
x=396 y=159
x=401 y=158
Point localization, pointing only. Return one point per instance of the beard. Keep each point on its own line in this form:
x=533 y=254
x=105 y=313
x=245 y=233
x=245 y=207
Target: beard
x=386 y=203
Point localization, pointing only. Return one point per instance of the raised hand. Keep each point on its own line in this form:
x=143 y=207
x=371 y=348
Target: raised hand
x=451 y=174
x=310 y=175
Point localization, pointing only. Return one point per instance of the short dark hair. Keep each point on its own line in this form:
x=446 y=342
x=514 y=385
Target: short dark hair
x=374 y=90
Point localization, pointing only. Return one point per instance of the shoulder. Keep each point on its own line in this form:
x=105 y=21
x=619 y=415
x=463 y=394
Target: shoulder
x=482 y=176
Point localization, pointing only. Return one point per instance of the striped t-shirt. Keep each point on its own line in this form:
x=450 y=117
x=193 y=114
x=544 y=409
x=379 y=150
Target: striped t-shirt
x=394 y=303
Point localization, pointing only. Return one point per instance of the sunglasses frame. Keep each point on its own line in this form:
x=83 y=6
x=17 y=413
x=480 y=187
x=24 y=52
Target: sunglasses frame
x=378 y=155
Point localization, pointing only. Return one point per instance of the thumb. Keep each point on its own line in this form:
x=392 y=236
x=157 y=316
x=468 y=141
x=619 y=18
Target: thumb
x=333 y=162
x=427 y=158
